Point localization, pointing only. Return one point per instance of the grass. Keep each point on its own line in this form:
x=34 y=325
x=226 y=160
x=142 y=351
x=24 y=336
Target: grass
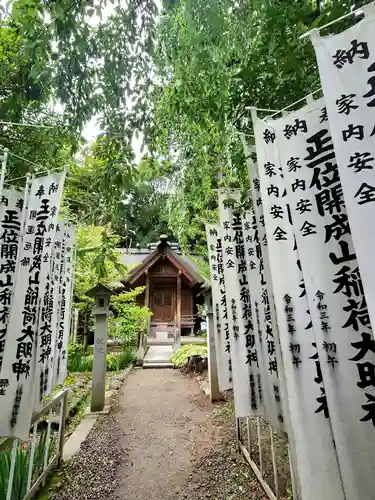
x=22 y=466
x=114 y=362
x=80 y=363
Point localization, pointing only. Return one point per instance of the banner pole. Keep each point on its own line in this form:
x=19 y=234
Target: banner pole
x=3 y=170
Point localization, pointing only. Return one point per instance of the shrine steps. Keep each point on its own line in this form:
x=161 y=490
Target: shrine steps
x=158 y=356
x=159 y=365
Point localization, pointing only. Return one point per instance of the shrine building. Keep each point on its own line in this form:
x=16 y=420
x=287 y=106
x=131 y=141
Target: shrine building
x=172 y=284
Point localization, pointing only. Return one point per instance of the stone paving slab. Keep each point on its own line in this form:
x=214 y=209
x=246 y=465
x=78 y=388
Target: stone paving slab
x=158 y=354
x=74 y=442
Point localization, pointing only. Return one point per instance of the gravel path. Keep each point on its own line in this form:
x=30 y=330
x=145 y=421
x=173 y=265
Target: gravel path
x=162 y=415
x=92 y=474
x=162 y=442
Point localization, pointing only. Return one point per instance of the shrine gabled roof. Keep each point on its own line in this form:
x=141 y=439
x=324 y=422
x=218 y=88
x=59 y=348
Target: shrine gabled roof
x=146 y=258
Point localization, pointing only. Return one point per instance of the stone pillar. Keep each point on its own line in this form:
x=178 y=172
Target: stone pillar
x=177 y=343
x=99 y=368
x=212 y=360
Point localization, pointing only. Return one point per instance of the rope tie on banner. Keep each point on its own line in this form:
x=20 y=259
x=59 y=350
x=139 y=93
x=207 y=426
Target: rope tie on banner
x=262 y=109
x=26 y=160
x=36 y=125
x=356 y=12
x=294 y=103
x=251 y=108
x=40 y=173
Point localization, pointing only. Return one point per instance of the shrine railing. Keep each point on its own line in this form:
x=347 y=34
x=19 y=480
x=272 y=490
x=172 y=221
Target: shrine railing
x=268 y=456
x=25 y=466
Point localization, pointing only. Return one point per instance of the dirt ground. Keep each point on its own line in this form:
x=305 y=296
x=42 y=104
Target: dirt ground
x=164 y=441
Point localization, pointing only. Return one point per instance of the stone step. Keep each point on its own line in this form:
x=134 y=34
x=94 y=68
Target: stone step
x=157 y=364
x=152 y=342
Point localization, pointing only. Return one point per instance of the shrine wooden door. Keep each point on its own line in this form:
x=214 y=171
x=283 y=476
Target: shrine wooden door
x=162 y=305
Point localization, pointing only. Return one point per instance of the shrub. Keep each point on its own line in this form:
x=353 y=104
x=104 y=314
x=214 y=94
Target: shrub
x=114 y=362
x=111 y=363
x=202 y=334
x=80 y=363
x=76 y=350
x=181 y=356
x=126 y=358
x=120 y=361
x=21 y=466
x=128 y=319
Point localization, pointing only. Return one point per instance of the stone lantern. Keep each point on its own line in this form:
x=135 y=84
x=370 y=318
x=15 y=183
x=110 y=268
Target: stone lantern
x=102 y=295
x=212 y=358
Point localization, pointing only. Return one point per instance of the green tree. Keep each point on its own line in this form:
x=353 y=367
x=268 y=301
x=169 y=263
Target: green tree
x=98 y=259
x=214 y=60
x=99 y=180
x=63 y=62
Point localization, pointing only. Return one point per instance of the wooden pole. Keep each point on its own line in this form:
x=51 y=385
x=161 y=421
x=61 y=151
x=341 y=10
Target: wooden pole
x=85 y=330
x=142 y=346
x=147 y=291
x=3 y=170
x=212 y=360
x=178 y=314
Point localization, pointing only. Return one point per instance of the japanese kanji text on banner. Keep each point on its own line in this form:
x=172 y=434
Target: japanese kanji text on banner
x=347 y=70
x=18 y=368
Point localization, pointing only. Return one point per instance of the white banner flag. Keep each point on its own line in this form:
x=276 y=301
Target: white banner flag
x=309 y=416
x=65 y=306
x=11 y=209
x=48 y=321
x=59 y=301
x=264 y=308
x=334 y=289
x=261 y=309
x=347 y=70
x=243 y=348
x=18 y=369
x=219 y=307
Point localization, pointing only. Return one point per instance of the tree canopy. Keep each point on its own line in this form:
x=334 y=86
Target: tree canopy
x=214 y=61
x=182 y=76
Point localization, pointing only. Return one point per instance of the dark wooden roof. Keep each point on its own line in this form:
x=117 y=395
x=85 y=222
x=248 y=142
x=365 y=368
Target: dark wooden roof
x=163 y=248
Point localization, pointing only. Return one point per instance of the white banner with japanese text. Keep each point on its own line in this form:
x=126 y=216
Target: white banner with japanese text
x=243 y=348
x=266 y=344
x=264 y=309
x=219 y=306
x=334 y=289
x=48 y=321
x=18 y=368
x=309 y=415
x=11 y=210
x=65 y=308
x=347 y=70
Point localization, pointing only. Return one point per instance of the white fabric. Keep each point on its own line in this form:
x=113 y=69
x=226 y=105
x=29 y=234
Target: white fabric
x=17 y=404
x=276 y=411
x=308 y=175
x=218 y=297
x=65 y=308
x=11 y=209
x=347 y=70
x=245 y=362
